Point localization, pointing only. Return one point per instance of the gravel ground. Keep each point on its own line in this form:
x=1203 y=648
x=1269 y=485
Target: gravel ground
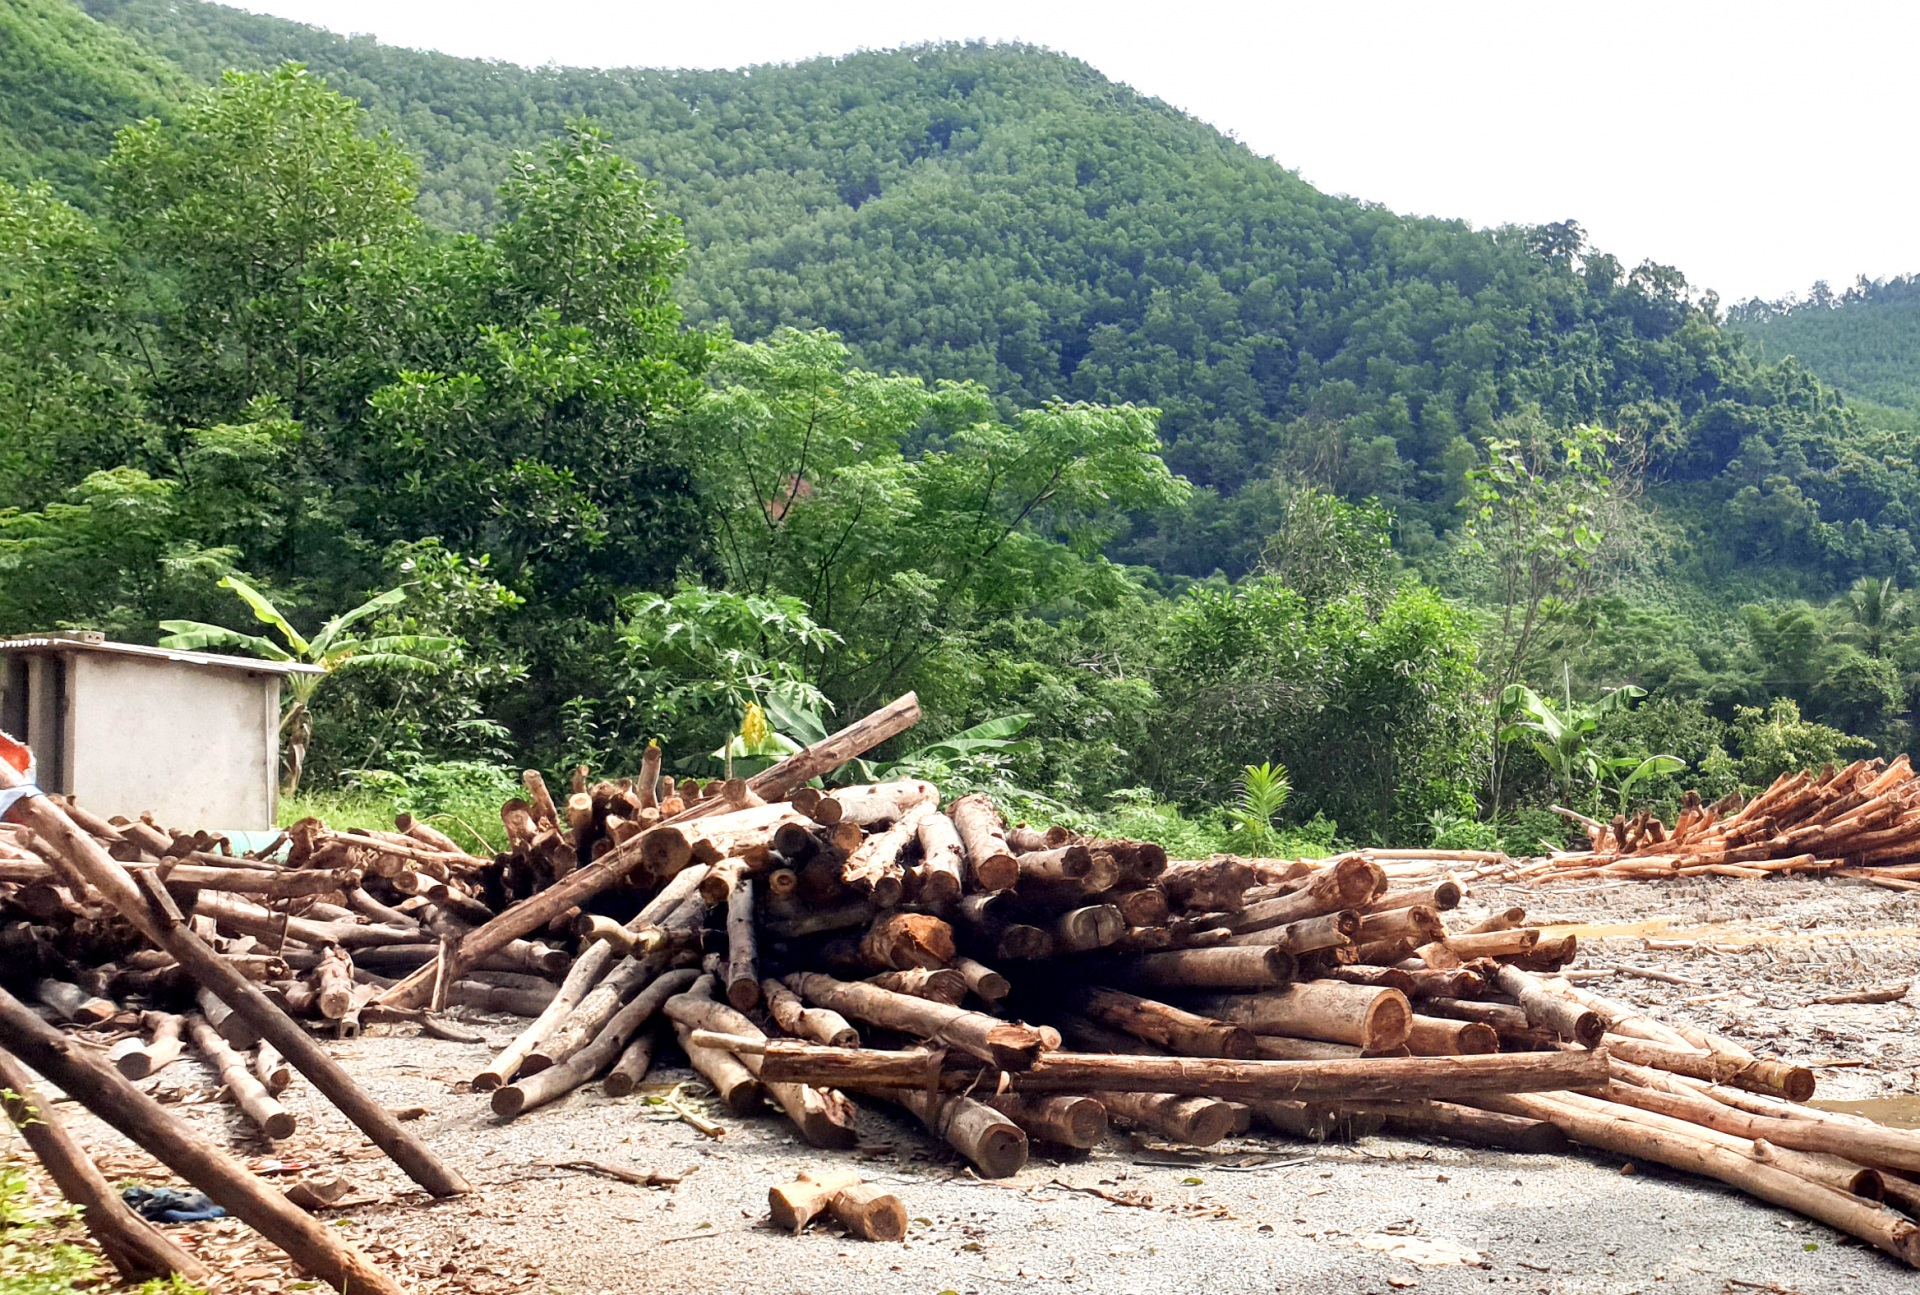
x=1257 y=1214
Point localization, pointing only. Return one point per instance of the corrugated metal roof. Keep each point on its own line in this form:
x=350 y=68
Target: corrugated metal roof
x=211 y=660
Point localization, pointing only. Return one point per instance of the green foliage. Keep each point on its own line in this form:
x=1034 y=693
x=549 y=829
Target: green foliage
x=1776 y=740
x=1564 y=738
x=460 y=797
x=32 y=1262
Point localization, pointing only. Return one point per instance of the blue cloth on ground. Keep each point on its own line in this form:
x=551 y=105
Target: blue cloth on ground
x=170 y=1205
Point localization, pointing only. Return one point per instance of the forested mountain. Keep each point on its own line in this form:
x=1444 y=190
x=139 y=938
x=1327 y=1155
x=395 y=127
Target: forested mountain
x=1865 y=341
x=1009 y=215
x=666 y=392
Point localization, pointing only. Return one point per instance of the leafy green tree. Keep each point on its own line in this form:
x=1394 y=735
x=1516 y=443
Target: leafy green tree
x=1776 y=740
x=1877 y=609
x=332 y=650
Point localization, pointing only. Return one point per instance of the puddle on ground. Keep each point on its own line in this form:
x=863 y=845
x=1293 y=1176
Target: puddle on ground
x=1894 y=1112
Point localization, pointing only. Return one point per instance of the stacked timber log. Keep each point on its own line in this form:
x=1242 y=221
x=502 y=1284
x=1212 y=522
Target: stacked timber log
x=1861 y=821
x=805 y=946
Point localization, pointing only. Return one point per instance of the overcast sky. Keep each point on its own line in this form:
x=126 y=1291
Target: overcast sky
x=1757 y=146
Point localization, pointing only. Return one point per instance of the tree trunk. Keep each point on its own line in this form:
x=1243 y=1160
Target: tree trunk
x=1176 y=1030
x=990 y=862
x=1067 y=1119
x=1374 y=1019
x=607 y=1045
x=1221 y=968
x=137 y=1250
x=1008 y=1045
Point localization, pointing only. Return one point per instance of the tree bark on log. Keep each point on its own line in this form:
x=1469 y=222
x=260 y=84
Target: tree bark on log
x=1351 y=883
x=941 y=872
x=802 y=1022
x=983 y=835
x=1220 y=968
x=995 y=1144
x=1374 y=1019
x=1548 y=1010
x=606 y=1047
x=243 y=1089
x=823 y=1116
x=986 y=983
x=870 y=1213
x=138 y=1251
x=1433 y=1036
x=1368 y=1079
x=1677 y=1149
x=738 y=1089
x=631 y=1070
x=1472 y=1126
x=310 y=1243
x=1066 y=1119
x=1212 y=886
x=1009 y=1045
x=1171 y=1028
x=136 y=1059
x=743 y=954
x=1337 y=930
x=1196 y=1121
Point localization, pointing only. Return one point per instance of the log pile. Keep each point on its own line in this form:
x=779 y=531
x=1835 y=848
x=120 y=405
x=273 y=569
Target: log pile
x=804 y=946
x=1862 y=821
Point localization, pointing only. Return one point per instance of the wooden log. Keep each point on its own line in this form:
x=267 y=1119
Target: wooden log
x=870 y=1213
x=941 y=872
x=802 y=1022
x=1715 y=1068
x=940 y=984
x=1067 y=1119
x=1493 y=944
x=1596 y=1126
x=1008 y=1045
x=1278 y=1047
x=1069 y=863
x=1214 y=886
x=137 y=1250
x=136 y=1059
x=1472 y=1126
x=1169 y=1027
x=990 y=863
x=103 y=1091
x=743 y=956
x=72 y=1003
x=1335 y=930
x=877 y=806
x=1548 y=1010
x=605 y=1048
x=823 y=1117
x=1351 y=883
x=333 y=982
x=1433 y=1036
x=1441 y=897
x=587 y=970
x=1196 y=1121
x=499 y=998
x=271 y=1069
x=794 y=1205
x=245 y=1091
x=1220 y=968
x=1506 y=920
x=995 y=1145
x=904 y=940
x=1356 y=1080
x=737 y=1087
x=986 y=983
x=828 y=754
x=630 y=1071
x=1319 y=1121
x=1082 y=930
x=1374 y=1019
x=236 y=1029
x=987 y=918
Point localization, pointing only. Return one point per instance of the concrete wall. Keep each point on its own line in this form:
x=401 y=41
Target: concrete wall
x=197 y=747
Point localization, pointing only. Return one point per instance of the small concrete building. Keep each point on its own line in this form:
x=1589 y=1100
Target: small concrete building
x=193 y=737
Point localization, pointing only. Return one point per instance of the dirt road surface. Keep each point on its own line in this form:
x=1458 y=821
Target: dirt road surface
x=1255 y=1214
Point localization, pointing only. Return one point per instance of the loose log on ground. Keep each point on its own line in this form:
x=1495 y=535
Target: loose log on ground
x=136 y=1058
x=631 y=1070
x=137 y=1250
x=738 y=1089
x=310 y=1243
x=995 y=1144
x=607 y=1046
x=869 y=1213
x=1196 y=1121
x=243 y=1089
x=794 y=1205
x=1472 y=1126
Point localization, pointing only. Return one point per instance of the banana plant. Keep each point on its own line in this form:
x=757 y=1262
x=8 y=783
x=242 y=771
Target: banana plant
x=332 y=650
x=1622 y=773
x=1563 y=738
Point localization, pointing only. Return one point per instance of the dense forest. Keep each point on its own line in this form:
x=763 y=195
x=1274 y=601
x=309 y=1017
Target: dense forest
x=670 y=398
x=1864 y=340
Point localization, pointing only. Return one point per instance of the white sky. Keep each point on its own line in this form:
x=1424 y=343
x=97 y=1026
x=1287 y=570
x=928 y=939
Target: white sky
x=1758 y=146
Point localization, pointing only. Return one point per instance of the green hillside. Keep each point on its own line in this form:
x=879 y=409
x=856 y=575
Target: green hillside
x=1009 y=215
x=1865 y=341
